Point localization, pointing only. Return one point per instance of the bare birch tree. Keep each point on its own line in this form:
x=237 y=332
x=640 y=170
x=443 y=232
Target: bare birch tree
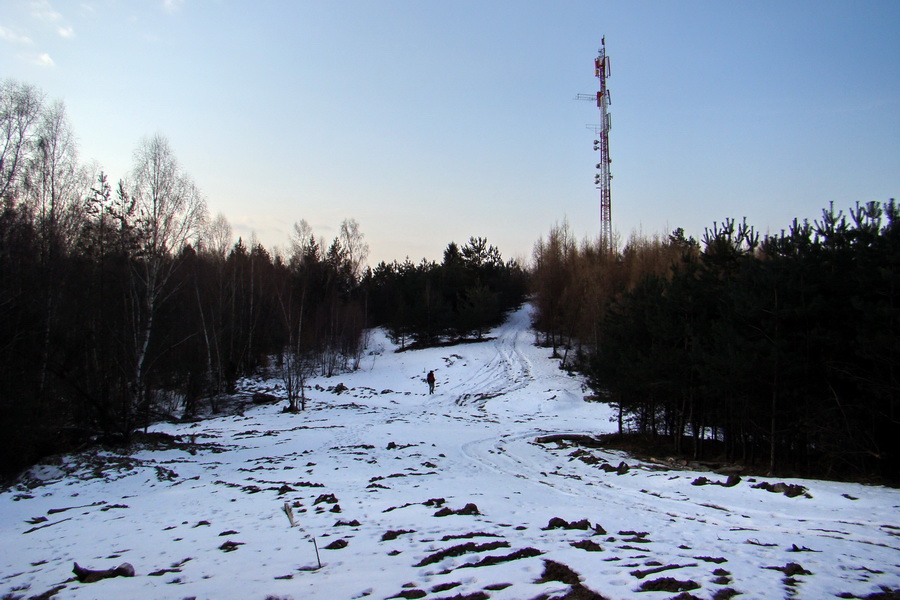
x=171 y=212
x=355 y=248
x=20 y=111
x=304 y=246
x=53 y=180
x=296 y=360
x=217 y=236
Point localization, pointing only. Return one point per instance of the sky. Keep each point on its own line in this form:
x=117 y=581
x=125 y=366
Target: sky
x=435 y=121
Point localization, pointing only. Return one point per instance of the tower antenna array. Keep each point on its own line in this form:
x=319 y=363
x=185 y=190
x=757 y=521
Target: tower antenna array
x=603 y=176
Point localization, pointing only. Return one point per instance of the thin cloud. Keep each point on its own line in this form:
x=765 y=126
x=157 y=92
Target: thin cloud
x=43 y=10
x=44 y=60
x=9 y=35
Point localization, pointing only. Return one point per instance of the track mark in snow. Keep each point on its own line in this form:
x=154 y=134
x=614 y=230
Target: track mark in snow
x=508 y=370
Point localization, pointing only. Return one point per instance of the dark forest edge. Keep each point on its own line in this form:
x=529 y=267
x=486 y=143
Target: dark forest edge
x=778 y=353
x=120 y=306
x=123 y=305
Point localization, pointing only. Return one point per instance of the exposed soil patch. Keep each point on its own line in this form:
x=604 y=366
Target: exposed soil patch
x=467 y=548
x=353 y=523
x=732 y=481
x=796 y=548
x=466 y=536
x=394 y=534
x=635 y=537
x=668 y=584
x=49 y=593
x=583 y=525
x=885 y=594
x=92 y=576
x=337 y=545
x=432 y=502
x=723 y=577
x=586 y=457
x=554 y=571
x=443 y=587
x=791 y=569
x=640 y=574
x=472 y=596
x=717 y=560
x=788 y=489
x=587 y=545
x=650 y=449
x=411 y=594
x=488 y=561
x=576 y=592
x=496 y=587
x=469 y=509
x=230 y=546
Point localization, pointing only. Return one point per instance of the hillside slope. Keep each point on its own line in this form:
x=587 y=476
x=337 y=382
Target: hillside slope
x=407 y=495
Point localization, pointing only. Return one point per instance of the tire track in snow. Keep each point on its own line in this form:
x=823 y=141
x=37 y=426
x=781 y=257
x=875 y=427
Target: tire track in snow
x=490 y=453
x=498 y=454
x=508 y=370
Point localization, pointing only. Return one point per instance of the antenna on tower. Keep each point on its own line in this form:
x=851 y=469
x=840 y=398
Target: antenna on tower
x=603 y=176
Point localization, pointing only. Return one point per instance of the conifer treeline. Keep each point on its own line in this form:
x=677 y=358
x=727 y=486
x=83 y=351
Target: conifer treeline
x=465 y=294
x=781 y=353
x=120 y=305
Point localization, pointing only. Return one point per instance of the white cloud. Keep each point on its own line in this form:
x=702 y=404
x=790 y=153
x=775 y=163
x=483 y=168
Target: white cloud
x=43 y=11
x=9 y=35
x=43 y=60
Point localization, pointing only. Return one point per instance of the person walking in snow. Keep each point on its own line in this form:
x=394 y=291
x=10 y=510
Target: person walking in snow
x=430 y=379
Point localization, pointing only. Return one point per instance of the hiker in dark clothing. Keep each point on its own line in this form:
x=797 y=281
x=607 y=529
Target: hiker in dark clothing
x=430 y=379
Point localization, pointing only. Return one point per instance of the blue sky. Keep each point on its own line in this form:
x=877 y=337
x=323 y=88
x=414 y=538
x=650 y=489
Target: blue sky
x=433 y=121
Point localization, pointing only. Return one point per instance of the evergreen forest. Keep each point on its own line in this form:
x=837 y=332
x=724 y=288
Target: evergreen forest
x=778 y=352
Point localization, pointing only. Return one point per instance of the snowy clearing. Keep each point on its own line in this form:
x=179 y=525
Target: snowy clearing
x=406 y=495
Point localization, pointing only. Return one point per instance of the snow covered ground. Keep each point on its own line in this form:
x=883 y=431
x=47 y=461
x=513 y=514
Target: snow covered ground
x=404 y=495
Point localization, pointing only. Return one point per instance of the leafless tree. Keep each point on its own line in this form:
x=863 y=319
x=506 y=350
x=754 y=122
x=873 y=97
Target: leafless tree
x=170 y=214
x=297 y=359
x=217 y=236
x=304 y=246
x=355 y=248
x=20 y=110
x=54 y=182
x=171 y=207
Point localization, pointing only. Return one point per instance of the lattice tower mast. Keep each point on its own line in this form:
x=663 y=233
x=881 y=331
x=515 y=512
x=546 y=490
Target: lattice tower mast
x=603 y=176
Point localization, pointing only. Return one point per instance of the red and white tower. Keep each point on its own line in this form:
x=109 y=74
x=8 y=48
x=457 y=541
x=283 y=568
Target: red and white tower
x=603 y=176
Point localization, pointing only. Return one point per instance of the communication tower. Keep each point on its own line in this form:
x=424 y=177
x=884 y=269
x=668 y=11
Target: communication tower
x=603 y=176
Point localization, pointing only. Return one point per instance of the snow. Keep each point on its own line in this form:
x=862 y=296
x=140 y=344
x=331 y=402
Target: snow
x=205 y=518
